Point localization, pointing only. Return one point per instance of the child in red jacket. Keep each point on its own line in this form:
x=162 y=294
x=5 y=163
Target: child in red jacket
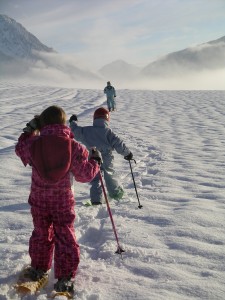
x=48 y=146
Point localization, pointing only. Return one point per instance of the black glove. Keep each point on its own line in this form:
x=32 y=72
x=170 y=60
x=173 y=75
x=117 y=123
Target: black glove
x=73 y=118
x=33 y=125
x=96 y=155
x=129 y=156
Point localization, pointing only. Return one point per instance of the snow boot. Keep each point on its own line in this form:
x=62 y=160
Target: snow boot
x=34 y=274
x=64 y=285
x=118 y=194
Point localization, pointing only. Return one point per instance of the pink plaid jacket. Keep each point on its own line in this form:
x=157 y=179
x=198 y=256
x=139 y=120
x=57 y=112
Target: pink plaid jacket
x=54 y=155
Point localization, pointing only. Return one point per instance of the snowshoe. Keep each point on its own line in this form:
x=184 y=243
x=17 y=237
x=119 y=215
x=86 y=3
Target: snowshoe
x=31 y=280
x=89 y=203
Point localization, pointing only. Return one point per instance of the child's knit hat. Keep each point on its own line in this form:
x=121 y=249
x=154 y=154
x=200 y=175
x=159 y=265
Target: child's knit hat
x=101 y=113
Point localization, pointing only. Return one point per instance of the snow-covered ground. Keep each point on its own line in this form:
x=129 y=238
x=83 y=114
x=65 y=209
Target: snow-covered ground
x=175 y=244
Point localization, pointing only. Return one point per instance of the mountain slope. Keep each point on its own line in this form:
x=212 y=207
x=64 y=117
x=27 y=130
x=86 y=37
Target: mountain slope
x=119 y=69
x=22 y=55
x=17 y=42
x=207 y=56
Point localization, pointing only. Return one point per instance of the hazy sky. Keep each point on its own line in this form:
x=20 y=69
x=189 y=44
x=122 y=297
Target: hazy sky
x=98 y=32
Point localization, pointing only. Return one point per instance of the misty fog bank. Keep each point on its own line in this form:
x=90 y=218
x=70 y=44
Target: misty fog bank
x=61 y=70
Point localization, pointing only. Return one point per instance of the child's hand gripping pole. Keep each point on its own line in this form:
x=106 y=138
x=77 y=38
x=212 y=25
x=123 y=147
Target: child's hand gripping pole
x=96 y=155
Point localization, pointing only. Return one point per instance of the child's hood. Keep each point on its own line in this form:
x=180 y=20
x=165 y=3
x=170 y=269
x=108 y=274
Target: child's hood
x=100 y=123
x=51 y=152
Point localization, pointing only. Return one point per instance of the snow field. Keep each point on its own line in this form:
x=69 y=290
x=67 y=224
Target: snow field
x=175 y=244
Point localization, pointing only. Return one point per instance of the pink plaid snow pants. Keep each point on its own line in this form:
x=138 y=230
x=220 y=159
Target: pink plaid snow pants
x=54 y=231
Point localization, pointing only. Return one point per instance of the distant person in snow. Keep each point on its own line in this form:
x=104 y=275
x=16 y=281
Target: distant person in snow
x=48 y=146
x=105 y=140
x=110 y=92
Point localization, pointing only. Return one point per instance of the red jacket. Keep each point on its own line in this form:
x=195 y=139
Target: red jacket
x=54 y=156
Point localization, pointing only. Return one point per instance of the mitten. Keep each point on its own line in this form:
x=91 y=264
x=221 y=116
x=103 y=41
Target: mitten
x=129 y=156
x=33 y=125
x=73 y=118
x=96 y=155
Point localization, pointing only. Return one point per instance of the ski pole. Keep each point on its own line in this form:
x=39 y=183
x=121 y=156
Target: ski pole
x=139 y=206
x=119 y=249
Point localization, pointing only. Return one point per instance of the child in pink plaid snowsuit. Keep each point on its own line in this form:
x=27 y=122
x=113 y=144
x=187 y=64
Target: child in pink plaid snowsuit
x=54 y=156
